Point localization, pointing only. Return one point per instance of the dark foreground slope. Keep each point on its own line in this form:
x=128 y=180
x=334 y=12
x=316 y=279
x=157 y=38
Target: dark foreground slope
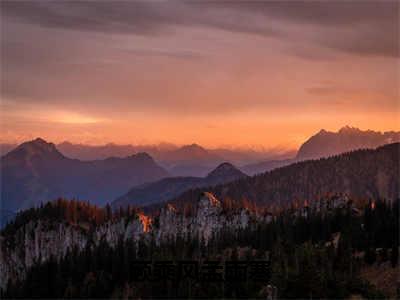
x=361 y=173
x=69 y=249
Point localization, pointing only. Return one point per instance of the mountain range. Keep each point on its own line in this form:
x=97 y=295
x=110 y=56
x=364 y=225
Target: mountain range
x=168 y=188
x=37 y=172
x=186 y=160
x=327 y=143
x=195 y=160
x=363 y=173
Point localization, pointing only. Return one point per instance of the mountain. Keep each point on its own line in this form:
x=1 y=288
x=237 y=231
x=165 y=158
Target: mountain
x=71 y=248
x=326 y=143
x=37 y=172
x=225 y=172
x=190 y=153
x=87 y=152
x=189 y=160
x=168 y=188
x=360 y=174
x=95 y=152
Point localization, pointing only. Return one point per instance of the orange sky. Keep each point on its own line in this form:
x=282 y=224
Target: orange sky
x=249 y=75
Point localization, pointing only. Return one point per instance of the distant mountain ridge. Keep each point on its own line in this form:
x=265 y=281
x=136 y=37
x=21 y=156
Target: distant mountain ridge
x=37 y=172
x=168 y=188
x=327 y=143
x=187 y=160
x=360 y=174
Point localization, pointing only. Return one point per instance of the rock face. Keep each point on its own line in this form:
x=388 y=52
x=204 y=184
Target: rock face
x=38 y=241
x=207 y=219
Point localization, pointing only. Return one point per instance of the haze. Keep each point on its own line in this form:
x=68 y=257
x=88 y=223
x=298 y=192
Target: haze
x=252 y=74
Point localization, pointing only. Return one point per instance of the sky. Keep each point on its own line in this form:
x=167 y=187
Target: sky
x=216 y=73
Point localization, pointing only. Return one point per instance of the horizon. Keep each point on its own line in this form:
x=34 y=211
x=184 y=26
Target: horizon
x=147 y=73
x=168 y=145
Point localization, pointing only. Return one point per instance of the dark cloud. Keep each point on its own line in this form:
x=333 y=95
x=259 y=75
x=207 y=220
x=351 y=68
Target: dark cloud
x=373 y=25
x=324 y=13
x=97 y=16
x=139 y=17
x=184 y=54
x=358 y=27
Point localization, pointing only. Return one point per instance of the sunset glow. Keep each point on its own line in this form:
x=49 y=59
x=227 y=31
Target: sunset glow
x=200 y=78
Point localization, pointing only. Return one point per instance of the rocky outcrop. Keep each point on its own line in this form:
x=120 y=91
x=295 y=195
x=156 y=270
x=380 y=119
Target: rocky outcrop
x=37 y=241
x=34 y=243
x=208 y=218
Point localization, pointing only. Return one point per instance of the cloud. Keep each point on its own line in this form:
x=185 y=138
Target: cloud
x=150 y=52
x=364 y=28
x=139 y=17
x=190 y=57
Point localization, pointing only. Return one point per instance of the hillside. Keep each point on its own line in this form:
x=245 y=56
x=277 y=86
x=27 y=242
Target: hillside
x=264 y=166
x=361 y=173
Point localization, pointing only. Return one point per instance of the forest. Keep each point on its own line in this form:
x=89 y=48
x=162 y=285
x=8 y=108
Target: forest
x=306 y=260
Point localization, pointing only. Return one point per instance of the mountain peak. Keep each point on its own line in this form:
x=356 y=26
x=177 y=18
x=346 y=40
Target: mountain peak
x=224 y=167
x=142 y=156
x=41 y=144
x=322 y=131
x=39 y=140
x=193 y=147
x=36 y=147
x=193 y=153
x=349 y=129
x=347 y=138
x=226 y=170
